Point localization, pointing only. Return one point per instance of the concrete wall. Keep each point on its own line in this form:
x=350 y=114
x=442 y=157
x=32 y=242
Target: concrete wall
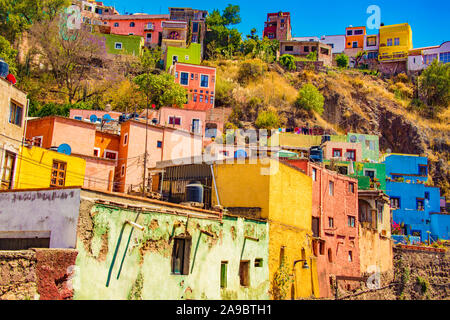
x=370 y=145
x=329 y=146
x=146 y=272
x=54 y=211
x=191 y=55
x=337 y=41
x=99 y=174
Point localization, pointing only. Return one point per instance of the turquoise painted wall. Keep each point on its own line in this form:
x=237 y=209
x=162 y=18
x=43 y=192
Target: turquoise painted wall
x=131 y=45
x=146 y=272
x=193 y=52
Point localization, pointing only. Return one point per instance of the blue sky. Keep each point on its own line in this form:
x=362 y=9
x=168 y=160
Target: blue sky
x=429 y=19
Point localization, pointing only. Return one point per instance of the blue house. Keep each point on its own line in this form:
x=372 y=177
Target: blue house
x=414 y=203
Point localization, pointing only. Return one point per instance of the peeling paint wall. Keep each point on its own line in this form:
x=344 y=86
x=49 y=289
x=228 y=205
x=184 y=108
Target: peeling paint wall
x=146 y=272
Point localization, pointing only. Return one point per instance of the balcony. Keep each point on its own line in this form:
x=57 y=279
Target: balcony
x=149 y=27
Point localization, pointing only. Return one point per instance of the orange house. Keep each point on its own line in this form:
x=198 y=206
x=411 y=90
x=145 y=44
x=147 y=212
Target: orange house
x=200 y=84
x=354 y=37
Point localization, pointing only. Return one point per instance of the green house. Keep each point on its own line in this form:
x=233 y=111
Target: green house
x=370 y=145
x=126 y=45
x=191 y=55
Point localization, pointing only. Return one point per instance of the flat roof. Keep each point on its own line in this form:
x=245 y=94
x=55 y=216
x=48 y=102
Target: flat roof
x=55 y=117
x=135 y=16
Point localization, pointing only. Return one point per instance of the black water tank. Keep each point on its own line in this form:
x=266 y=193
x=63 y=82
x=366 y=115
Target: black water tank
x=194 y=192
x=4 y=68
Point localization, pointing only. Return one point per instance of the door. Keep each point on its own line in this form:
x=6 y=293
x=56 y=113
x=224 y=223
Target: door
x=196 y=125
x=8 y=170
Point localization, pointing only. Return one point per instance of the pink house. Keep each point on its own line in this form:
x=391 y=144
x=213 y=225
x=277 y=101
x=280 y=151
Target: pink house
x=81 y=114
x=342 y=151
x=148 y=26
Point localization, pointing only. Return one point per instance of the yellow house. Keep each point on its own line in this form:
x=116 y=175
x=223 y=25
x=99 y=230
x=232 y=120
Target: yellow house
x=395 y=42
x=42 y=168
x=284 y=196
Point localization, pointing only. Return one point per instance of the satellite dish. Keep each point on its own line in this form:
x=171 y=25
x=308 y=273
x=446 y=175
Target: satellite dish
x=107 y=118
x=64 y=148
x=353 y=139
x=93 y=118
x=361 y=138
x=388 y=150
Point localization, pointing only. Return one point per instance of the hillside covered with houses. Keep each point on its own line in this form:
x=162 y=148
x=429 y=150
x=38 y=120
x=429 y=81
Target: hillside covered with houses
x=167 y=157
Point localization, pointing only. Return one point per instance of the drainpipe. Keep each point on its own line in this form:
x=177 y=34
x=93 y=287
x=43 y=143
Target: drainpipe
x=215 y=189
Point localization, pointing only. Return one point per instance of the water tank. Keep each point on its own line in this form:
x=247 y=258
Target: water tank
x=4 y=69
x=316 y=154
x=326 y=138
x=194 y=192
x=240 y=154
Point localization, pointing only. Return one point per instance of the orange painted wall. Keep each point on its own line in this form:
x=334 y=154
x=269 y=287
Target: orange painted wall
x=350 y=39
x=104 y=140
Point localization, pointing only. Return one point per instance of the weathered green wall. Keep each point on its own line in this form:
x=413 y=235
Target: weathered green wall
x=193 y=51
x=367 y=153
x=146 y=272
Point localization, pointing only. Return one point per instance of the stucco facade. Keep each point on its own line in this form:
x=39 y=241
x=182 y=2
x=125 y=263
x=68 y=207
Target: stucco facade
x=213 y=266
x=278 y=26
x=334 y=224
x=395 y=42
x=342 y=151
x=274 y=188
x=303 y=48
x=13 y=106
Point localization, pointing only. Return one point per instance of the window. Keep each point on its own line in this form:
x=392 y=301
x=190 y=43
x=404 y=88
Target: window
x=289 y=48
x=244 y=273
x=200 y=98
x=395 y=203
x=427 y=195
x=196 y=76
x=195 y=97
x=369 y=173
x=351 y=187
x=118 y=45
x=132 y=24
x=330 y=255
x=195 y=27
x=331 y=188
x=351 y=221
x=322 y=248
x=175 y=120
x=149 y=37
x=396 y=41
x=125 y=139
x=389 y=42
x=15 y=114
x=174 y=59
x=196 y=125
x=337 y=153
x=96 y=152
x=58 y=176
x=223 y=274
x=315 y=227
x=159 y=144
x=355 y=44
x=184 y=78
x=342 y=170
x=78 y=118
x=204 y=83
x=349 y=32
x=306 y=49
x=444 y=57
x=258 y=263
x=206 y=99
x=350 y=256
x=419 y=204
x=358 y=32
x=116 y=24
x=282 y=252
x=192 y=76
x=212 y=100
x=180 y=255
x=122 y=170
x=37 y=141
x=370 y=144
x=351 y=154
x=314 y=174
x=330 y=223
x=423 y=170
x=371 y=41
x=8 y=170
x=176 y=75
x=111 y=154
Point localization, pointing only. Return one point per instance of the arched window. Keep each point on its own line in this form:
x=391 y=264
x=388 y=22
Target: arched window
x=132 y=24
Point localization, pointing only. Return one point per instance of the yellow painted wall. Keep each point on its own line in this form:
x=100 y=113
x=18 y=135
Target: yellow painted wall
x=403 y=32
x=35 y=165
x=285 y=199
x=294 y=140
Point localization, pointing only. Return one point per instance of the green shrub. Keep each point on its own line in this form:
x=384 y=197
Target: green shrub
x=342 y=61
x=312 y=56
x=288 y=61
x=434 y=86
x=251 y=70
x=267 y=119
x=310 y=98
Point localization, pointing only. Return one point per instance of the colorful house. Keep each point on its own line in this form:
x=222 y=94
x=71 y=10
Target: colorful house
x=354 y=40
x=174 y=34
x=342 y=151
x=181 y=253
x=303 y=48
x=282 y=194
x=421 y=58
x=336 y=42
x=395 y=42
x=196 y=22
x=278 y=26
x=147 y=26
x=199 y=82
x=82 y=114
x=92 y=12
x=41 y=168
x=14 y=109
x=415 y=204
x=335 y=225
x=128 y=45
x=370 y=145
x=190 y=54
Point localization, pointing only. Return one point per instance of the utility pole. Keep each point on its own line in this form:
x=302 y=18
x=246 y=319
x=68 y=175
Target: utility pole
x=145 y=154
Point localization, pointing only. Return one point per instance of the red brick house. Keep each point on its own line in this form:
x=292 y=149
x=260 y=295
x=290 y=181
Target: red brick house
x=278 y=26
